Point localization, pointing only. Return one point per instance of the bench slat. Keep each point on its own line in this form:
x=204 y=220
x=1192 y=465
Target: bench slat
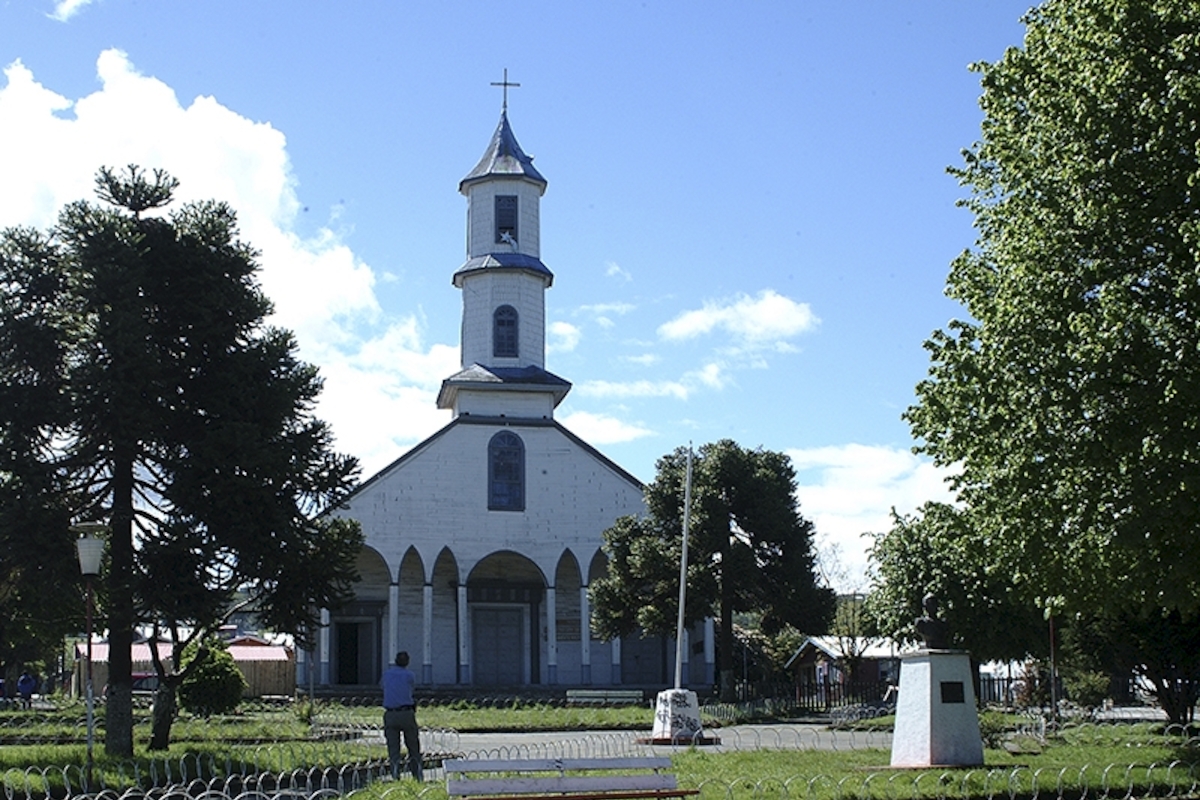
x=558 y=784
x=467 y=765
x=607 y=795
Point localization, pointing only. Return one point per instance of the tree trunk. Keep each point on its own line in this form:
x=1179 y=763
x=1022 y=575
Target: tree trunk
x=162 y=715
x=118 y=728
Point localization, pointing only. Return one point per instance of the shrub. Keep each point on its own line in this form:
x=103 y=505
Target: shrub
x=1088 y=689
x=215 y=685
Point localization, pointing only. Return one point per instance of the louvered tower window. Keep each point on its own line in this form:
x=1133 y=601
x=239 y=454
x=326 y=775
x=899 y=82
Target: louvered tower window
x=506 y=218
x=505 y=341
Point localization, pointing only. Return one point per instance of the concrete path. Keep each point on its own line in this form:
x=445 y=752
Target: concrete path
x=601 y=743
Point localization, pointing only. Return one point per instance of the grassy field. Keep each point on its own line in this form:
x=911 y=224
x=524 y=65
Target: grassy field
x=44 y=750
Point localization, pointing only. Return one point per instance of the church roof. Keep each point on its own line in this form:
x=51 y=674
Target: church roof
x=503 y=261
x=528 y=378
x=503 y=158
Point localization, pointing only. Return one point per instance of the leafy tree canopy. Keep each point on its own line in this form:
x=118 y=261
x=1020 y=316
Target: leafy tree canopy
x=1070 y=398
x=749 y=550
x=152 y=394
x=934 y=551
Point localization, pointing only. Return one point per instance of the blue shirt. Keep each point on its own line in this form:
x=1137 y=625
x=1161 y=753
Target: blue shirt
x=398 y=683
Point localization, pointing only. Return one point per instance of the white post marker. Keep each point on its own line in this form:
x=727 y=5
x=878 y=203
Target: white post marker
x=677 y=711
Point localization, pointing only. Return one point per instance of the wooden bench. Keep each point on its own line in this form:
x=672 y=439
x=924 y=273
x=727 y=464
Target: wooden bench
x=562 y=778
x=605 y=696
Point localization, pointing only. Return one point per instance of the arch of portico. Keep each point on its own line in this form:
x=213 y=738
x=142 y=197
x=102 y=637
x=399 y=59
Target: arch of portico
x=507 y=622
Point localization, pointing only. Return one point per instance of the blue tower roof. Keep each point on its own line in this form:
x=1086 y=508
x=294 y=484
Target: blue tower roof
x=503 y=158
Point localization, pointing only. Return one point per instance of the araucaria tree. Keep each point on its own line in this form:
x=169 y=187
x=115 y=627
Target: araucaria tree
x=155 y=397
x=749 y=550
x=1069 y=398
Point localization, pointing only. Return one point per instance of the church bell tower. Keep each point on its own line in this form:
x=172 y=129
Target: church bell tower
x=503 y=284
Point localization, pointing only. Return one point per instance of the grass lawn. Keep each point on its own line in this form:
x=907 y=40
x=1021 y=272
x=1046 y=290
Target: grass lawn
x=43 y=749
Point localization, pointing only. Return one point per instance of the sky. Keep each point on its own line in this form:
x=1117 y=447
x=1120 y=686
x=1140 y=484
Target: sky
x=749 y=216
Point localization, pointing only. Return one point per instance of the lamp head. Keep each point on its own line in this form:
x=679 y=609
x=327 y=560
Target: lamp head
x=89 y=547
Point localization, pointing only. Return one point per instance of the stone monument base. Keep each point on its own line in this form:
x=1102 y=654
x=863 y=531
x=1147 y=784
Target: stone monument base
x=677 y=719
x=936 y=721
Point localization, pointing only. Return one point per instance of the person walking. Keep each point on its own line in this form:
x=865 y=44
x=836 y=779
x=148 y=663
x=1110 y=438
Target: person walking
x=400 y=716
x=25 y=687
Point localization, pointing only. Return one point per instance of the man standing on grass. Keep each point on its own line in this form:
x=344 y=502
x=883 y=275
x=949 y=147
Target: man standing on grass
x=400 y=715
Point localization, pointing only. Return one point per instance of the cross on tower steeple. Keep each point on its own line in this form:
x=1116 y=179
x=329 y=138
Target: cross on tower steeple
x=505 y=84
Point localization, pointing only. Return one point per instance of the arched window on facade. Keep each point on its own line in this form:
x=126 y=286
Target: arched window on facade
x=504 y=332
x=506 y=472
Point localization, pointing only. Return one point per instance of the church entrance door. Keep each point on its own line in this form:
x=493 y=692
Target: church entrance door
x=354 y=653
x=498 y=636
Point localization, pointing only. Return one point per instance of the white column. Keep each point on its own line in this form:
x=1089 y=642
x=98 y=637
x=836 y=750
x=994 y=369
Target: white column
x=427 y=634
x=551 y=635
x=323 y=656
x=464 y=637
x=585 y=637
x=393 y=617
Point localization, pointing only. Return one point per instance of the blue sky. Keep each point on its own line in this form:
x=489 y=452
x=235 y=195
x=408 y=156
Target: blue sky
x=748 y=214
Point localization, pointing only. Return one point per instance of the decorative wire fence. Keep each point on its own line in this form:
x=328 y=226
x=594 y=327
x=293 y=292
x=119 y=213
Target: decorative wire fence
x=348 y=755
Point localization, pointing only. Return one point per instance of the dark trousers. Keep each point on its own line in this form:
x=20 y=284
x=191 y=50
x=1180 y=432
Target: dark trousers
x=403 y=723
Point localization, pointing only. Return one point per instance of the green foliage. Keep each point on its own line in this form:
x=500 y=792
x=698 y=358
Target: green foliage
x=135 y=351
x=1087 y=689
x=1162 y=647
x=1071 y=398
x=212 y=683
x=749 y=550
x=41 y=592
x=936 y=551
x=993 y=726
x=1068 y=399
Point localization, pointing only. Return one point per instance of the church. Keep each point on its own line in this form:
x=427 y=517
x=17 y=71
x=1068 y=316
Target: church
x=482 y=540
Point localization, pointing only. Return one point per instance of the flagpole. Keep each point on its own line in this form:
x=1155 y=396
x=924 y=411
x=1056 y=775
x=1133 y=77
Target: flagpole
x=687 y=515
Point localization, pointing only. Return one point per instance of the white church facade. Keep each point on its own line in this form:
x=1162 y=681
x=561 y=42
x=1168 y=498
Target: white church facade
x=482 y=540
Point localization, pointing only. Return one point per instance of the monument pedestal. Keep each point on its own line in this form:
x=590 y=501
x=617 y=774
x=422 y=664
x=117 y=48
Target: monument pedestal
x=677 y=719
x=936 y=721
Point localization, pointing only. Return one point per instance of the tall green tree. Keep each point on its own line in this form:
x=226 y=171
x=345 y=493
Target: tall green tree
x=182 y=419
x=934 y=551
x=1070 y=395
x=749 y=550
x=37 y=607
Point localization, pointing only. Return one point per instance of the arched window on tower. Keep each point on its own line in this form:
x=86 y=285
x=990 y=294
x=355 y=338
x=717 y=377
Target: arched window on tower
x=505 y=343
x=506 y=472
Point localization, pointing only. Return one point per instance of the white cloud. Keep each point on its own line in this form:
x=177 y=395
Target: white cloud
x=850 y=490
x=644 y=360
x=563 y=337
x=65 y=9
x=614 y=270
x=762 y=321
x=710 y=375
x=379 y=386
x=602 y=429
x=634 y=389
x=605 y=309
x=603 y=313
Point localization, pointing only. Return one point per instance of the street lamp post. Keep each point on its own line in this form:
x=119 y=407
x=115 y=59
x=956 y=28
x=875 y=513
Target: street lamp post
x=89 y=547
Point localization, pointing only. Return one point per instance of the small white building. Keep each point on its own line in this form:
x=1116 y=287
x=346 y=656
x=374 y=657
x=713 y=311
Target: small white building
x=482 y=540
